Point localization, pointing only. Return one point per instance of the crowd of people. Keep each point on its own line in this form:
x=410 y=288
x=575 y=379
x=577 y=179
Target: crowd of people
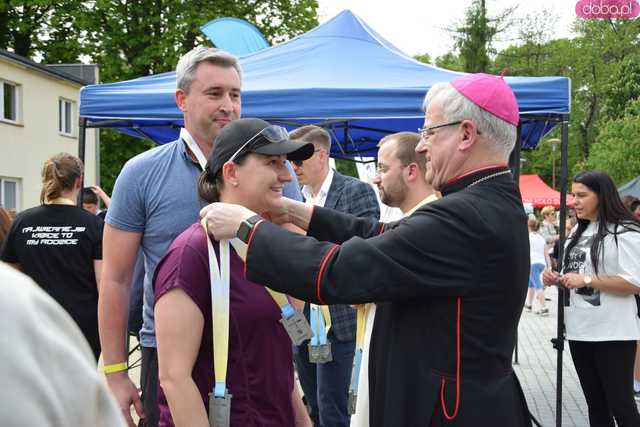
x=261 y=267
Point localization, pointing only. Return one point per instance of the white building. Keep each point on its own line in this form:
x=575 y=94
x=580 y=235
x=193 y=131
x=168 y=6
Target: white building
x=38 y=118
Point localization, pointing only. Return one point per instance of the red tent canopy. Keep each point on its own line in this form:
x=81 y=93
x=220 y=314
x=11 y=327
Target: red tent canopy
x=539 y=194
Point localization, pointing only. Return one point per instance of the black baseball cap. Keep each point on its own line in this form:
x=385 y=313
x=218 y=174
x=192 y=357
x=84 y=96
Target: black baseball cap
x=248 y=135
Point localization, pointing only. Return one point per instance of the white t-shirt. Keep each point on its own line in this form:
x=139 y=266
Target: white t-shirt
x=603 y=316
x=537 y=249
x=49 y=375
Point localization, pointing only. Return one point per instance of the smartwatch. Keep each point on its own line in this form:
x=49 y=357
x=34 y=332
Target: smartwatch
x=246 y=226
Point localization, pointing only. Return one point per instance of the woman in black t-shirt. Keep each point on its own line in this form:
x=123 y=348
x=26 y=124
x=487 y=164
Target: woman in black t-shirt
x=59 y=245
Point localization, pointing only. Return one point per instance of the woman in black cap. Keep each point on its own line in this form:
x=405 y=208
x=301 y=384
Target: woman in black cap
x=241 y=321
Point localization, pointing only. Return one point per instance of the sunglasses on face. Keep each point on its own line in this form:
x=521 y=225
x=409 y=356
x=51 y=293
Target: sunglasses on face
x=274 y=134
x=299 y=162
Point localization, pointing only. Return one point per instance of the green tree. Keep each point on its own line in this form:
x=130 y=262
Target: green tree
x=424 y=57
x=475 y=35
x=593 y=61
x=450 y=61
x=347 y=167
x=622 y=89
x=617 y=148
x=30 y=28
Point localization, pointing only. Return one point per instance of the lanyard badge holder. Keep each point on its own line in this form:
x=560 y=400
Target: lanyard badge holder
x=319 y=347
x=295 y=324
x=357 y=359
x=219 y=398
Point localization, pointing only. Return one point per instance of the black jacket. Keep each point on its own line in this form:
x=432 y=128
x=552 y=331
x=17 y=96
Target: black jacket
x=469 y=249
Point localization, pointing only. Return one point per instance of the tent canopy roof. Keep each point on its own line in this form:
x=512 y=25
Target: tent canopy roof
x=341 y=74
x=535 y=191
x=631 y=188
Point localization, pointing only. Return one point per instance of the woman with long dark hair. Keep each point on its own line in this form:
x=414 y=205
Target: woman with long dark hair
x=59 y=245
x=602 y=272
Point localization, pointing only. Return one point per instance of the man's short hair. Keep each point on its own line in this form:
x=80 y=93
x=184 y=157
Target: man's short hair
x=406 y=143
x=314 y=134
x=188 y=64
x=89 y=197
x=455 y=106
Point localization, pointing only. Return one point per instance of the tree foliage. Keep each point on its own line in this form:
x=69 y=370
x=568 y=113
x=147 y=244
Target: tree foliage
x=475 y=35
x=622 y=90
x=423 y=57
x=450 y=61
x=617 y=148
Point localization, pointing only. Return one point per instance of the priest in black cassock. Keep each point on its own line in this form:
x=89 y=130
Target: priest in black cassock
x=451 y=278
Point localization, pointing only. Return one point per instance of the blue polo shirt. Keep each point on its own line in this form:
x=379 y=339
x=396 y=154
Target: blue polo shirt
x=156 y=195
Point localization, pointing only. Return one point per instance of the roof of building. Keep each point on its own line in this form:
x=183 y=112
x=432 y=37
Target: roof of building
x=55 y=72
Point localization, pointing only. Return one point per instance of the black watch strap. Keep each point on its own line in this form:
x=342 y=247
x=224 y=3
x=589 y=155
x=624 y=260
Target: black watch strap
x=246 y=226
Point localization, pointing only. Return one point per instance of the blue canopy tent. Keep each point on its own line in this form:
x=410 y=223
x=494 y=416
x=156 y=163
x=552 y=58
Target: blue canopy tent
x=631 y=188
x=345 y=77
x=342 y=75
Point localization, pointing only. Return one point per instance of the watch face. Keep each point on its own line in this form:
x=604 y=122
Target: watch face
x=587 y=280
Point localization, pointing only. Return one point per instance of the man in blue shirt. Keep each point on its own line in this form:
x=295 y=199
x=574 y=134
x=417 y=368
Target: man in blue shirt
x=154 y=200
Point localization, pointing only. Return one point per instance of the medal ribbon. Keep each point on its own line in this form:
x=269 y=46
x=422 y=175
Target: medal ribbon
x=195 y=149
x=320 y=323
x=361 y=319
x=219 y=277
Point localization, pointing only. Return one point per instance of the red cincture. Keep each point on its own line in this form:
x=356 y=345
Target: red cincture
x=442 y=384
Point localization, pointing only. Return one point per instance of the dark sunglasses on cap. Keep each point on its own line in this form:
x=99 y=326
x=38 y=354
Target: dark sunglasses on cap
x=274 y=134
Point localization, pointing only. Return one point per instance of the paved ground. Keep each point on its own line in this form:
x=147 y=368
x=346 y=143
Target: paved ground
x=537 y=361
x=536 y=370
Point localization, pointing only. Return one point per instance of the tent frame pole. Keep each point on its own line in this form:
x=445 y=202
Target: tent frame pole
x=563 y=294
x=514 y=165
x=82 y=141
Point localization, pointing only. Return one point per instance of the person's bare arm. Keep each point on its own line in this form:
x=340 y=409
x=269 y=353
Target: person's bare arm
x=179 y=324
x=299 y=213
x=97 y=268
x=119 y=251
x=300 y=415
x=103 y=196
x=612 y=284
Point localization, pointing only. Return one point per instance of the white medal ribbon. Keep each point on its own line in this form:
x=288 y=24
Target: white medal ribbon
x=219 y=276
x=195 y=149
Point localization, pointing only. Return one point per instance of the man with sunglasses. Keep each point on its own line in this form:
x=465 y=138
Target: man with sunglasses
x=326 y=385
x=154 y=200
x=452 y=276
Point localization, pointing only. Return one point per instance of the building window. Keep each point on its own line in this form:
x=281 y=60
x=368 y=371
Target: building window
x=9 y=189
x=9 y=104
x=65 y=116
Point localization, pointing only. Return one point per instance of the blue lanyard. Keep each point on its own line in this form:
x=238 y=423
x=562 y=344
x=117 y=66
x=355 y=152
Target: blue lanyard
x=317 y=327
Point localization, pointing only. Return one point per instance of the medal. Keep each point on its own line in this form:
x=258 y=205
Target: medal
x=220 y=410
x=297 y=327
